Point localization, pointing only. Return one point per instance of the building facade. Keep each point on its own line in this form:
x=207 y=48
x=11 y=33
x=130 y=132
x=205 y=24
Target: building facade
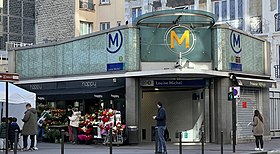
x=56 y=21
x=17 y=25
x=182 y=59
x=257 y=17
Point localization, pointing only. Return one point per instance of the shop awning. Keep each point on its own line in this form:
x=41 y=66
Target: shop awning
x=151 y=73
x=253 y=82
x=74 y=91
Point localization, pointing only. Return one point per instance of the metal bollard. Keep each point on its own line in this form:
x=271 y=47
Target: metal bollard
x=202 y=142
x=180 y=143
x=16 y=142
x=222 y=142
x=111 y=141
x=62 y=141
x=156 y=140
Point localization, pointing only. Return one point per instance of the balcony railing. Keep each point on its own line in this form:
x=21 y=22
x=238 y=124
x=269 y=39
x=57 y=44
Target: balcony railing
x=277 y=21
x=256 y=25
x=277 y=71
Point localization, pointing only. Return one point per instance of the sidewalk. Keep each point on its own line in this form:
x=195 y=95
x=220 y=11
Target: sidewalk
x=271 y=147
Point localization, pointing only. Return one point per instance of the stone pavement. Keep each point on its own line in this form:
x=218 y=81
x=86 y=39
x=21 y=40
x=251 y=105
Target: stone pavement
x=271 y=147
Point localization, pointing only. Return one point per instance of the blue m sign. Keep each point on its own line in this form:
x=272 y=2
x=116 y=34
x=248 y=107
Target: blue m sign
x=235 y=42
x=115 y=41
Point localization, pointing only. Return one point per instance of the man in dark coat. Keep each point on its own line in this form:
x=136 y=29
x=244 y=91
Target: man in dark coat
x=29 y=126
x=161 y=126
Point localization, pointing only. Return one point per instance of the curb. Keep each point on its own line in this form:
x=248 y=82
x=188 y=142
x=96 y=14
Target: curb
x=273 y=152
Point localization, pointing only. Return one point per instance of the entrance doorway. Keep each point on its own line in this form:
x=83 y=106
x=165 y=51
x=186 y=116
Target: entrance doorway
x=184 y=110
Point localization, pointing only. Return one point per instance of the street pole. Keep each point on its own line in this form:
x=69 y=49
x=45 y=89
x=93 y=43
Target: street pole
x=7 y=116
x=233 y=120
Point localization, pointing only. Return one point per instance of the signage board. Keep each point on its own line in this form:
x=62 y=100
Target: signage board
x=9 y=77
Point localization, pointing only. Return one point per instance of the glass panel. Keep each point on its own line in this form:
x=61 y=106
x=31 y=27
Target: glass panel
x=224 y=10
x=232 y=9
x=15 y=25
x=28 y=27
x=240 y=9
x=29 y=9
x=15 y=8
x=90 y=5
x=217 y=10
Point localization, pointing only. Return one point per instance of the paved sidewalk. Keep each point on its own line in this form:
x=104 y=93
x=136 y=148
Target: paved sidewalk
x=272 y=147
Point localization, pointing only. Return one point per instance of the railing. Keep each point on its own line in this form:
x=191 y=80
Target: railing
x=277 y=22
x=237 y=23
x=256 y=25
x=277 y=71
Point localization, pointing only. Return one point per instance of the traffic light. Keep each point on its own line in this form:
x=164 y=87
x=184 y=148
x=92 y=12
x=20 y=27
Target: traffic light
x=230 y=96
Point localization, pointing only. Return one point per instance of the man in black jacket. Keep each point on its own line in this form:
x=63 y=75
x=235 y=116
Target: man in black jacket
x=161 y=126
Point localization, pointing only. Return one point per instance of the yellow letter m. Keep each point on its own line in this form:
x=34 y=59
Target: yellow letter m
x=186 y=36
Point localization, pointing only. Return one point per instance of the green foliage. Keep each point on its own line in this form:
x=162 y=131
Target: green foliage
x=52 y=134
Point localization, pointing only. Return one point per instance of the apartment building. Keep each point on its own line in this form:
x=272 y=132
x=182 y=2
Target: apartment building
x=62 y=20
x=258 y=17
x=17 y=26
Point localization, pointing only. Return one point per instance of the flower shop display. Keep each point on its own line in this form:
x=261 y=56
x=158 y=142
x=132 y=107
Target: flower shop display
x=111 y=119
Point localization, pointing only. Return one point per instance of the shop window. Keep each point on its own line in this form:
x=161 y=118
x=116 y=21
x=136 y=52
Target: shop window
x=136 y=12
x=104 y=25
x=85 y=27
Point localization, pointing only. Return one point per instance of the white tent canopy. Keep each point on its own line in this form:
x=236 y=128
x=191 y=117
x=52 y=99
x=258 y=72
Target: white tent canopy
x=16 y=94
x=17 y=100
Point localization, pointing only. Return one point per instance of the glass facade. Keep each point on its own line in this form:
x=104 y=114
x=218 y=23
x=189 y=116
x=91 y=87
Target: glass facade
x=83 y=56
x=21 y=14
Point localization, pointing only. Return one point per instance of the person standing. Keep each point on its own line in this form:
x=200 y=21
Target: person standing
x=42 y=124
x=12 y=132
x=74 y=123
x=258 y=129
x=69 y=114
x=29 y=127
x=161 y=126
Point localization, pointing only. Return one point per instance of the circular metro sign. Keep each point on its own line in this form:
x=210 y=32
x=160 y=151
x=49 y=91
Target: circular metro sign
x=180 y=38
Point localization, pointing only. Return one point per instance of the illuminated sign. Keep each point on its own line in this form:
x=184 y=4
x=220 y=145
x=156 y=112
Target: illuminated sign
x=180 y=38
x=115 y=41
x=235 y=42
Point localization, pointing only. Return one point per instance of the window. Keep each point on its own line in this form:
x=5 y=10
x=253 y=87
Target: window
x=104 y=1
x=235 y=15
x=217 y=9
x=86 y=4
x=136 y=12
x=104 y=25
x=85 y=27
x=119 y=23
x=232 y=9
x=224 y=10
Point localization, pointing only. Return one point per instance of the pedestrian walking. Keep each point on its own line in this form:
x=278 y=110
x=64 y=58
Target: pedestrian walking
x=29 y=127
x=161 y=126
x=258 y=129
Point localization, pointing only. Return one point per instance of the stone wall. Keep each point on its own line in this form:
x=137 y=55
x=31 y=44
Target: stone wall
x=55 y=20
